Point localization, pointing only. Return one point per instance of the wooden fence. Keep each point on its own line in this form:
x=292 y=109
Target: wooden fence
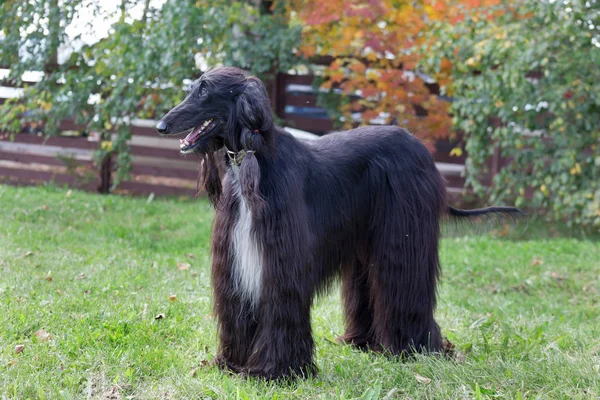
x=157 y=167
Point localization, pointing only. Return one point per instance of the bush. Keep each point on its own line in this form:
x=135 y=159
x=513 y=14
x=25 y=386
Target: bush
x=526 y=80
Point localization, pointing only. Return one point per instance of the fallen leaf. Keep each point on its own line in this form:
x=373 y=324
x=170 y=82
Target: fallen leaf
x=12 y=362
x=183 y=266
x=159 y=316
x=48 y=278
x=447 y=347
x=459 y=356
x=69 y=192
x=589 y=287
x=392 y=394
x=172 y=297
x=190 y=255
x=112 y=394
x=27 y=254
x=193 y=373
x=423 y=379
x=478 y=322
x=19 y=348
x=42 y=335
x=557 y=276
x=81 y=276
x=59 y=291
x=537 y=261
x=520 y=288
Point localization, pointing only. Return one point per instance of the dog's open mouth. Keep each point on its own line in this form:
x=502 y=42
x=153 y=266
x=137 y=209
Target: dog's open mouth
x=191 y=140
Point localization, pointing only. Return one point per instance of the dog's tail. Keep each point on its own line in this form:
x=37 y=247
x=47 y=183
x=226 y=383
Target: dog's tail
x=495 y=217
x=512 y=212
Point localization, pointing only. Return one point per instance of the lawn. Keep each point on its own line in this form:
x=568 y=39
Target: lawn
x=109 y=297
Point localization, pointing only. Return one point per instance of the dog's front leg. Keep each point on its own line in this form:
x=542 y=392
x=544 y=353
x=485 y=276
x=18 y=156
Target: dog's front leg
x=283 y=344
x=236 y=319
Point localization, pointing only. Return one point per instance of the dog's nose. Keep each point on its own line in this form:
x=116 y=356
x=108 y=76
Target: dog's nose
x=162 y=127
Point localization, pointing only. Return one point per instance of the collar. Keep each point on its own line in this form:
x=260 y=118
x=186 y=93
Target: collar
x=236 y=158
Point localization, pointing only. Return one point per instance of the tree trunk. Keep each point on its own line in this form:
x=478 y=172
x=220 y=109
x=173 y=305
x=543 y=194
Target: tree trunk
x=105 y=174
x=145 y=14
x=53 y=35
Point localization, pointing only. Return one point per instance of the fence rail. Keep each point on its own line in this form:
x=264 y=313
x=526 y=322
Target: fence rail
x=157 y=167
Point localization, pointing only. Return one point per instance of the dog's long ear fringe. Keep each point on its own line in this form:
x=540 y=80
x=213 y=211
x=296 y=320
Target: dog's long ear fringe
x=250 y=181
x=210 y=179
x=252 y=112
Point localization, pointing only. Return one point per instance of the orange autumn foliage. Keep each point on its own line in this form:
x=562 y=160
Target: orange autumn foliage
x=373 y=44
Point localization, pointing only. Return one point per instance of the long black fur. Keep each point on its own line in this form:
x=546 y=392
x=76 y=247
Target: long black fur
x=365 y=205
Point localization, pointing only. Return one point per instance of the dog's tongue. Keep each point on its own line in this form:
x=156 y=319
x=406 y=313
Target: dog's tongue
x=191 y=138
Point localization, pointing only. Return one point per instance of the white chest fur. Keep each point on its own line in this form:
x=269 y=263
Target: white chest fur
x=247 y=251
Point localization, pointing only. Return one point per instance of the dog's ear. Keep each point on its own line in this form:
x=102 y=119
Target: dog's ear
x=253 y=110
x=255 y=123
x=250 y=170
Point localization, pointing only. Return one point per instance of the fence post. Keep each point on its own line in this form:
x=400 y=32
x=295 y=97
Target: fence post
x=105 y=174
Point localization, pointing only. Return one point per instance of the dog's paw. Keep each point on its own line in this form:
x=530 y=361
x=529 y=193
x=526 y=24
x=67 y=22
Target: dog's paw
x=222 y=363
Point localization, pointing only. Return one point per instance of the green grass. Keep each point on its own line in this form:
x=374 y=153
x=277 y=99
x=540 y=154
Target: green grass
x=94 y=272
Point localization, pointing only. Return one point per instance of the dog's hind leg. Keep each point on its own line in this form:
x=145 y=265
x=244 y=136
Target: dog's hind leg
x=403 y=295
x=404 y=265
x=358 y=312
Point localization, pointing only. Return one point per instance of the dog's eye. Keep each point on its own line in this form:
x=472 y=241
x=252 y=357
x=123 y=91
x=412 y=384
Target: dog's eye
x=202 y=91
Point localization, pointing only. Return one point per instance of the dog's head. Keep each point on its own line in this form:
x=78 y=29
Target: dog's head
x=224 y=107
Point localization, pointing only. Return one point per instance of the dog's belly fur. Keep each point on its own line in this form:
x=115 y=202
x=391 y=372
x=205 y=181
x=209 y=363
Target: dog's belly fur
x=247 y=251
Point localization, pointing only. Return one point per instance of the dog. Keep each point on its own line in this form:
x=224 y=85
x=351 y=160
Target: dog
x=292 y=216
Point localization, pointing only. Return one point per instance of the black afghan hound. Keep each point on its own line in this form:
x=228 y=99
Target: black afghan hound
x=292 y=215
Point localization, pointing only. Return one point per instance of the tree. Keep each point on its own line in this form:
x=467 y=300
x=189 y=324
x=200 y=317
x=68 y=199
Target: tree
x=527 y=85
x=373 y=45
x=139 y=68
